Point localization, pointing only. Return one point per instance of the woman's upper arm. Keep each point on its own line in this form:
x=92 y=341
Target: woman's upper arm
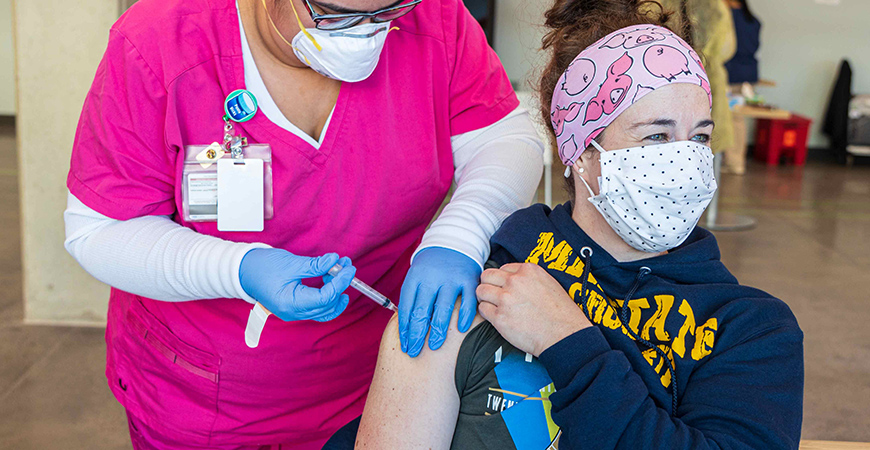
x=412 y=402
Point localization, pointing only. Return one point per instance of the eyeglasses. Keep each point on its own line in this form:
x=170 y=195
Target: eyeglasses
x=342 y=21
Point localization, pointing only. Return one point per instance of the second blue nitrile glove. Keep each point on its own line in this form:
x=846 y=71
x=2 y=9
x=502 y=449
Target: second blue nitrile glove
x=436 y=278
x=273 y=277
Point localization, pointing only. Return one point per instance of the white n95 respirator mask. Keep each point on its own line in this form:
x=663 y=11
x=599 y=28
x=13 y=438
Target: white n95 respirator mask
x=346 y=55
x=653 y=196
x=350 y=54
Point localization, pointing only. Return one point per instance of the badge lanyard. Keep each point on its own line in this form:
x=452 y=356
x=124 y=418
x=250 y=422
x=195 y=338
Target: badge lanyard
x=235 y=191
x=240 y=106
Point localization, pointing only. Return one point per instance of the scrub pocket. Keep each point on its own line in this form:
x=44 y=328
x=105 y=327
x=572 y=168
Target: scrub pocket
x=166 y=383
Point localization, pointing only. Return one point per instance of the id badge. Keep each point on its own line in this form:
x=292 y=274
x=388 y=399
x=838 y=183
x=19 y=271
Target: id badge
x=200 y=184
x=240 y=194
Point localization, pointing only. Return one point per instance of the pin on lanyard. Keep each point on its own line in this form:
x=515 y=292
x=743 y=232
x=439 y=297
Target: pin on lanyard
x=239 y=106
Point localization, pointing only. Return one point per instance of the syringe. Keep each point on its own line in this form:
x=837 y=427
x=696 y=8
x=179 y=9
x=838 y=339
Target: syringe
x=367 y=290
x=259 y=314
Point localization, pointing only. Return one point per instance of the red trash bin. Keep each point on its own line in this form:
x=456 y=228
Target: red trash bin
x=782 y=137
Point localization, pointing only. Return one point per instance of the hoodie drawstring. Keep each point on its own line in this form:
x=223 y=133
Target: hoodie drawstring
x=586 y=253
x=623 y=316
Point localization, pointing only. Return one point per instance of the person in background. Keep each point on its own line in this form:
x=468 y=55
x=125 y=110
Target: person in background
x=711 y=32
x=743 y=67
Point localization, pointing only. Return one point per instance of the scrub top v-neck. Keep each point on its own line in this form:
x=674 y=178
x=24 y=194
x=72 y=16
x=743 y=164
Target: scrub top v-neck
x=368 y=191
x=254 y=83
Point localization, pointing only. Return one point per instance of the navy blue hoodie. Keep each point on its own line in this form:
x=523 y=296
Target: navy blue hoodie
x=736 y=353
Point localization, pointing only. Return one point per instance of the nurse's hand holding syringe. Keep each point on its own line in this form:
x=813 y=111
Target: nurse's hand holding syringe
x=273 y=278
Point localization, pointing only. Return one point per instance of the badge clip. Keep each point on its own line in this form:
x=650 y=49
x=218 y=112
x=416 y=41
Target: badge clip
x=211 y=154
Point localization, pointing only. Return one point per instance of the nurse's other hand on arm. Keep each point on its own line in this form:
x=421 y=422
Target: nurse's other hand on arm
x=274 y=278
x=436 y=278
x=528 y=307
x=497 y=170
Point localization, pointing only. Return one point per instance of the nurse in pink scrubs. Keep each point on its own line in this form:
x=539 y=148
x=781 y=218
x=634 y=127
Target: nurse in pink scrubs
x=371 y=109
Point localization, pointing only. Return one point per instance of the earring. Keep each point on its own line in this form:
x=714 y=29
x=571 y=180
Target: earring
x=581 y=170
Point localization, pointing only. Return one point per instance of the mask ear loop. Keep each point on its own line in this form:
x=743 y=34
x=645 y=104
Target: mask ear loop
x=568 y=170
x=301 y=27
x=597 y=146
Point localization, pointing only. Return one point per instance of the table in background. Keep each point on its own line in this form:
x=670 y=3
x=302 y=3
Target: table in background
x=831 y=445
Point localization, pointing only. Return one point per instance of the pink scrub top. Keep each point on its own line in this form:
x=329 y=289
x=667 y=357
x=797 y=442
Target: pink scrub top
x=369 y=191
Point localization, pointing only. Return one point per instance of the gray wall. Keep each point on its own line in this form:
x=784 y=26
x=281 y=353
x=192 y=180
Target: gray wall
x=59 y=44
x=7 y=60
x=802 y=44
x=518 y=33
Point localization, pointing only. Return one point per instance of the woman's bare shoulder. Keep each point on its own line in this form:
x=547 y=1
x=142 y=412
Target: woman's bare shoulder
x=391 y=347
x=420 y=391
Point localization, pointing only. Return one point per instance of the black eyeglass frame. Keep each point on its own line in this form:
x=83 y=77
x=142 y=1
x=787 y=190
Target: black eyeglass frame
x=360 y=16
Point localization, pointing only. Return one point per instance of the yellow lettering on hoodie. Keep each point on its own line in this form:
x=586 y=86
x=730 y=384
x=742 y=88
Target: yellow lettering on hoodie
x=574 y=290
x=602 y=311
x=636 y=307
x=657 y=321
x=544 y=248
x=576 y=269
x=610 y=317
x=705 y=337
x=561 y=254
x=658 y=363
x=679 y=345
x=650 y=356
x=596 y=307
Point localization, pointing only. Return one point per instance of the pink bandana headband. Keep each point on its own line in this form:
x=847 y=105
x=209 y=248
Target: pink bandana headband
x=611 y=75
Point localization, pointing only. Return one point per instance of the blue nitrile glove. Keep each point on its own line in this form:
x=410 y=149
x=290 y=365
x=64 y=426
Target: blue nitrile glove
x=272 y=277
x=437 y=276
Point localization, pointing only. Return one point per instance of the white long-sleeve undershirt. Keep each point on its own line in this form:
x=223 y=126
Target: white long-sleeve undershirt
x=497 y=172
x=153 y=256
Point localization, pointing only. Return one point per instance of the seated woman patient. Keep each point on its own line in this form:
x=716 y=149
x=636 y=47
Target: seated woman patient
x=609 y=321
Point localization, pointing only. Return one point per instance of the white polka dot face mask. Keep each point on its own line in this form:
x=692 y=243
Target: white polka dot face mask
x=653 y=196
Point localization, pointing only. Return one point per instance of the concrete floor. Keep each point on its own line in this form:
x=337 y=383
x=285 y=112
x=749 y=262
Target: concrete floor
x=811 y=247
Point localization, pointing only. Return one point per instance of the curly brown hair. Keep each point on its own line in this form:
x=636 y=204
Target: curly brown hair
x=576 y=24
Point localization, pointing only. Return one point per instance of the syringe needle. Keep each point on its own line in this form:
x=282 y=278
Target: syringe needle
x=367 y=290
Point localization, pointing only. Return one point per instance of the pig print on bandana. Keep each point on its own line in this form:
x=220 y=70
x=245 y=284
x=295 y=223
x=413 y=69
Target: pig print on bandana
x=560 y=116
x=666 y=62
x=639 y=60
x=636 y=38
x=581 y=71
x=613 y=91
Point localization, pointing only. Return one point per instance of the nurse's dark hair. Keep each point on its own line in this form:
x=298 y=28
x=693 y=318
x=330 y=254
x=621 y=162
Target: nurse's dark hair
x=576 y=24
